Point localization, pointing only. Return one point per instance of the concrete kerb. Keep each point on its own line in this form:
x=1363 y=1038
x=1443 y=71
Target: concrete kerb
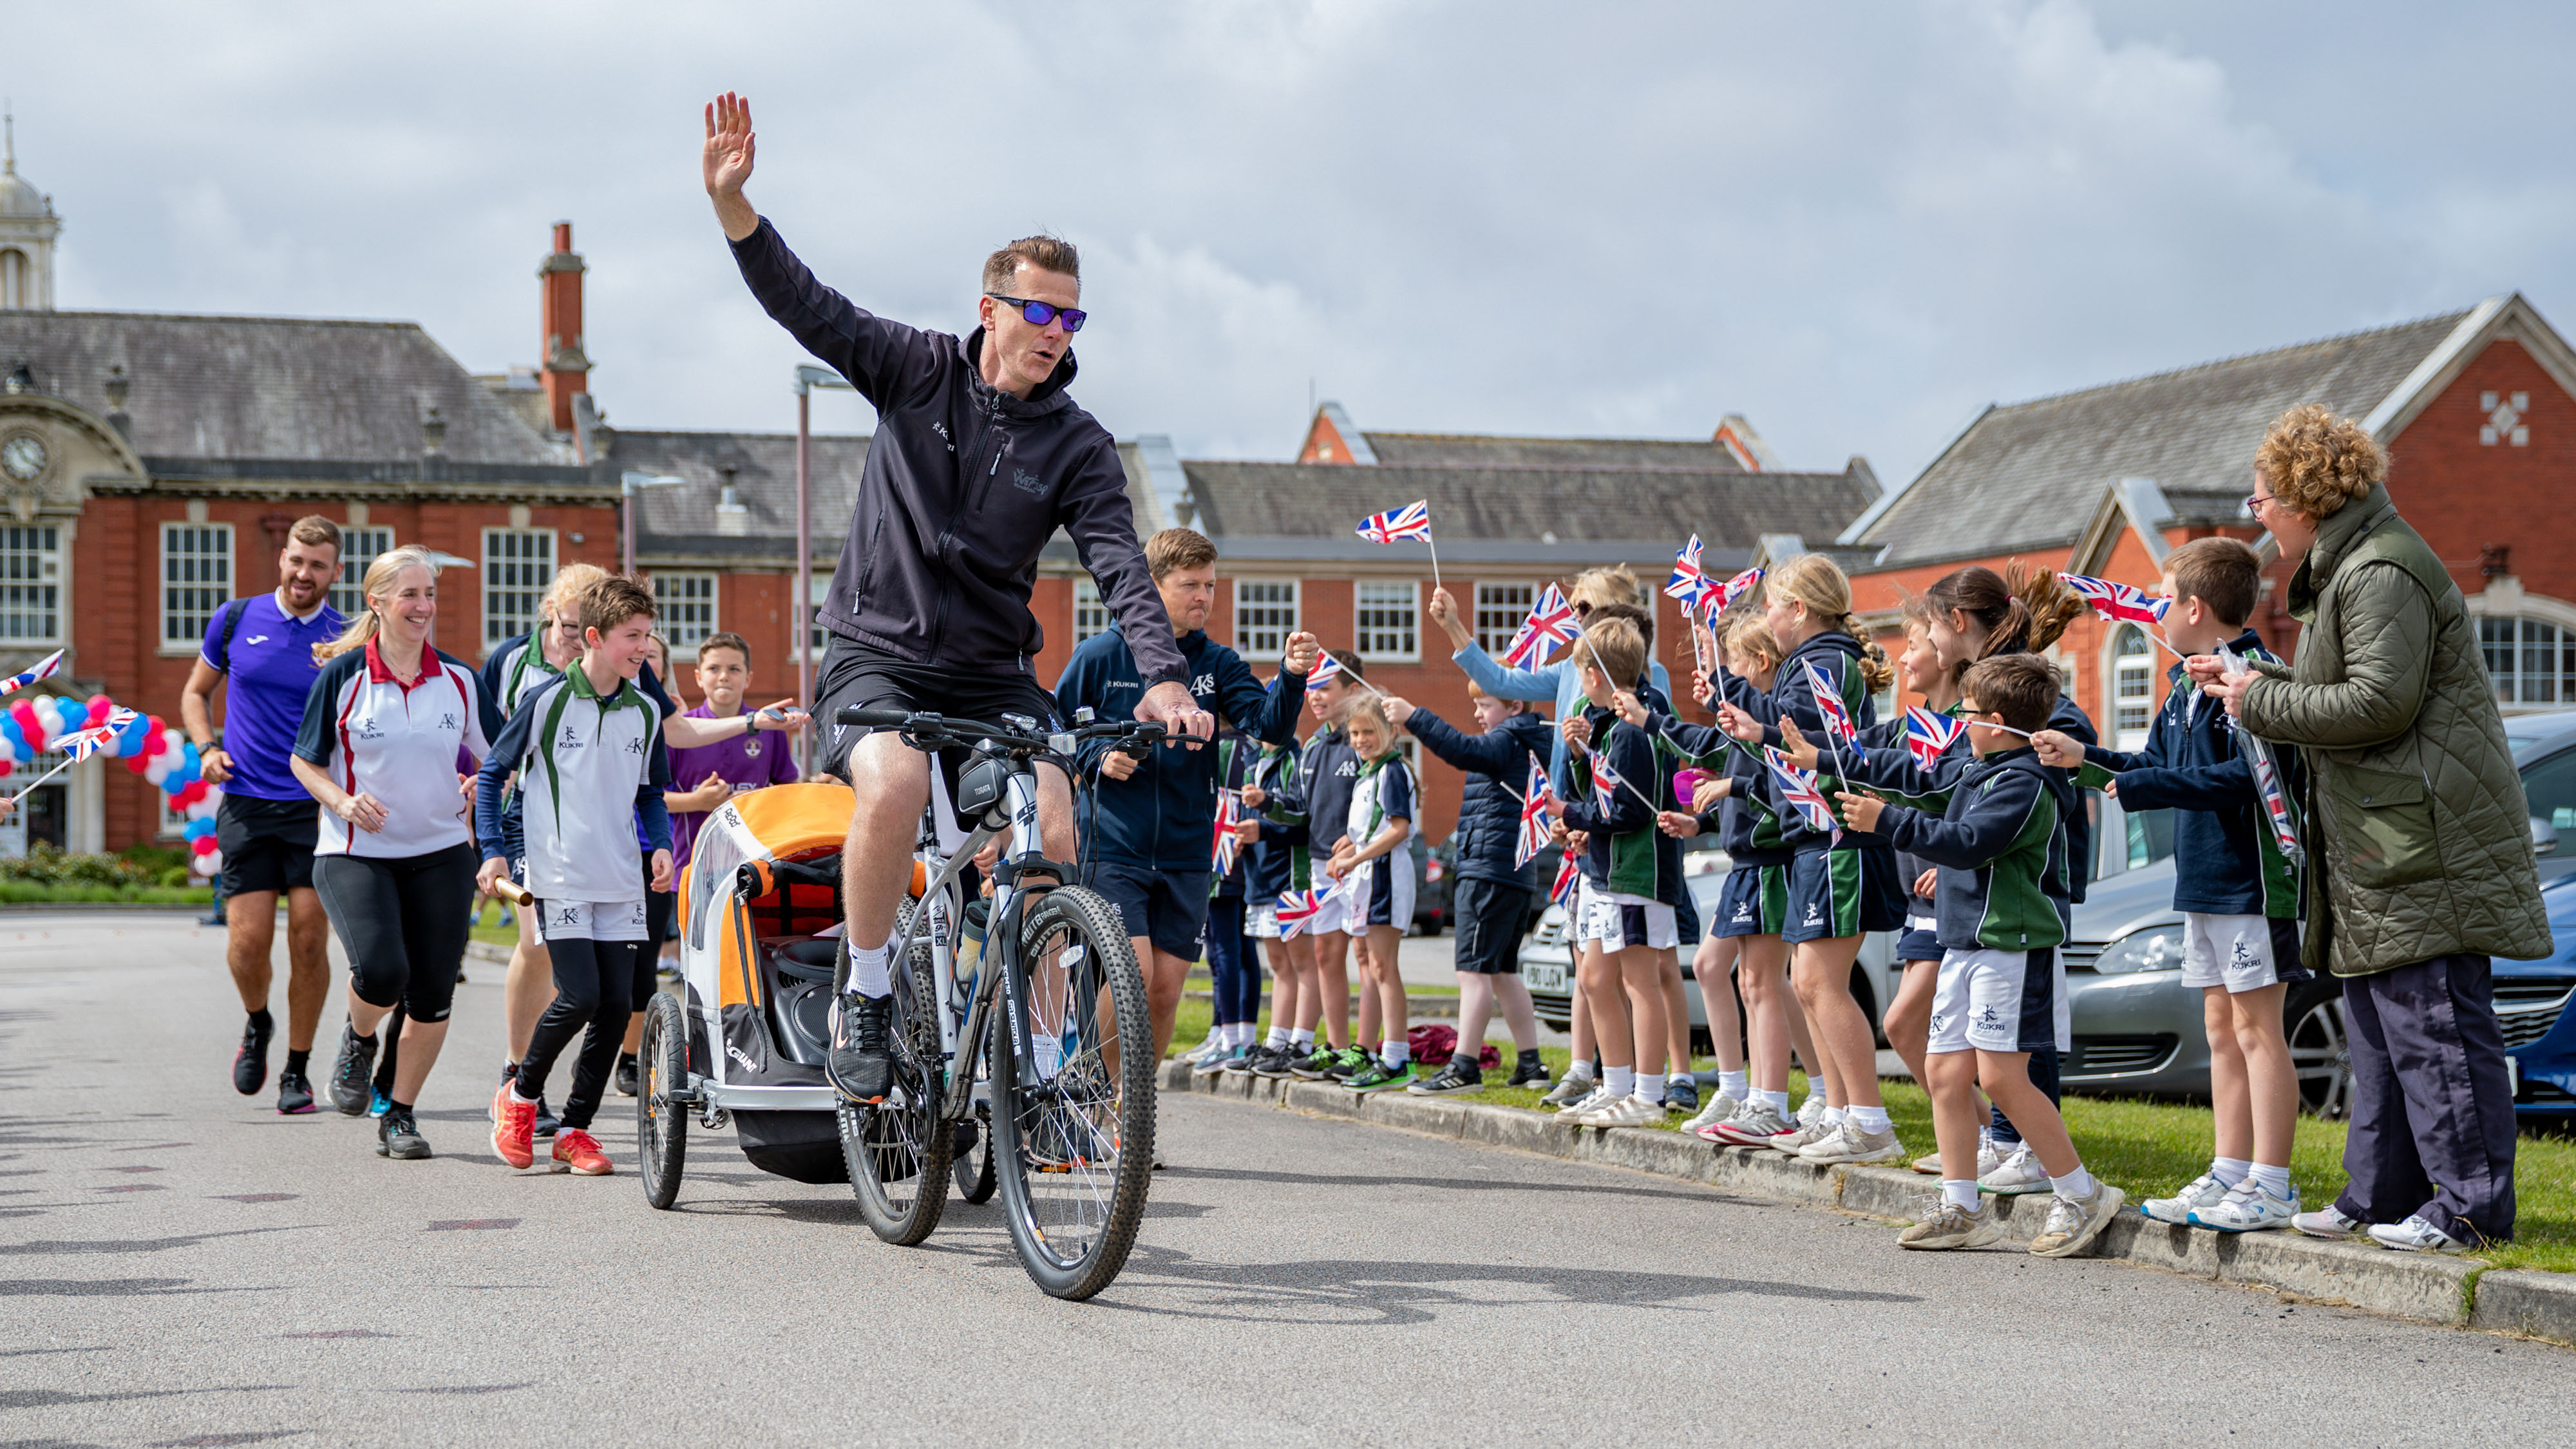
x=2421 y=1286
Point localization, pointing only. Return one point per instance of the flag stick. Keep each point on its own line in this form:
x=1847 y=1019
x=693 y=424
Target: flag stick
x=1435 y=555
x=40 y=779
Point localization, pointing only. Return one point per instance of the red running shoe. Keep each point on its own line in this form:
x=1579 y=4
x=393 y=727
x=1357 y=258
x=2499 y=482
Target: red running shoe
x=514 y=1125
x=577 y=1152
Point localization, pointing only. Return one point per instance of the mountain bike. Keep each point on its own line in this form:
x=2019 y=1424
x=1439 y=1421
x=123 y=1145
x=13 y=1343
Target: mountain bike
x=1053 y=1014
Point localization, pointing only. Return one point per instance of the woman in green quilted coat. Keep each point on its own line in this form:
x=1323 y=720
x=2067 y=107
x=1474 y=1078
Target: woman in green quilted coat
x=2419 y=842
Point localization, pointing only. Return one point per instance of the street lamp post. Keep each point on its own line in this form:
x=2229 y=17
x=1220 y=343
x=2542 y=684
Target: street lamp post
x=808 y=378
x=630 y=483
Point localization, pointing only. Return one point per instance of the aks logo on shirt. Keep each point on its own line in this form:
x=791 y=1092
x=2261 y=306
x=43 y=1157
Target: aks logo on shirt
x=447 y=721
x=1205 y=684
x=366 y=728
x=570 y=739
x=635 y=746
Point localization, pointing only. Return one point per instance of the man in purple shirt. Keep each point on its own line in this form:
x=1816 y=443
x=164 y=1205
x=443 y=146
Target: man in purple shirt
x=268 y=824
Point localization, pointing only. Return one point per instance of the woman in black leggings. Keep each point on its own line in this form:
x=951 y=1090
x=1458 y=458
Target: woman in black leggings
x=388 y=724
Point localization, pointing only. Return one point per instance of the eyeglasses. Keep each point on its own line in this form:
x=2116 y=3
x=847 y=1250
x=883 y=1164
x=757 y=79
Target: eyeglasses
x=1041 y=313
x=2254 y=503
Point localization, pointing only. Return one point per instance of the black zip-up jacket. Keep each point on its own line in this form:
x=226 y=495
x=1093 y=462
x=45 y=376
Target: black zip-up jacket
x=963 y=486
x=2225 y=861
x=1164 y=815
x=1497 y=763
x=1627 y=853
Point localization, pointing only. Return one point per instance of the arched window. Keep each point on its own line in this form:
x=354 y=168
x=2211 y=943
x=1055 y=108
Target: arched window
x=2133 y=688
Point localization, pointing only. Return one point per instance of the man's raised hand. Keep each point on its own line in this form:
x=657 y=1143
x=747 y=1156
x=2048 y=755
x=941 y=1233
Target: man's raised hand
x=727 y=163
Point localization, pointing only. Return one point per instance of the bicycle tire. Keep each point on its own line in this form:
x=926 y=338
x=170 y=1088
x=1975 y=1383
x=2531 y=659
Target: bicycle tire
x=1072 y=1223
x=899 y=1151
x=662 y=1130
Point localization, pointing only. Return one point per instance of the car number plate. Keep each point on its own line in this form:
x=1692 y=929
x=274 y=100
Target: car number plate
x=1548 y=976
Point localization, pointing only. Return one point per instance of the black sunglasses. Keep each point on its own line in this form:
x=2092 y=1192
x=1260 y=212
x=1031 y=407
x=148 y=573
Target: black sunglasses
x=1041 y=313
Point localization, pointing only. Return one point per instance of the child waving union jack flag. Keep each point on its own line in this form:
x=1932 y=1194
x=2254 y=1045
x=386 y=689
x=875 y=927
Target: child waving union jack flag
x=2119 y=603
x=1413 y=520
x=1829 y=703
x=1550 y=622
x=1929 y=734
x=1735 y=588
x=1798 y=787
x=1535 y=821
x=1688 y=584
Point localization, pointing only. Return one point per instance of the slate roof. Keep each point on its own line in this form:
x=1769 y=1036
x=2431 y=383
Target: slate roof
x=1461 y=450
x=297 y=390
x=2028 y=475
x=1496 y=506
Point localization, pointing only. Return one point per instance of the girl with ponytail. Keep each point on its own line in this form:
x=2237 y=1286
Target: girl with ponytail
x=1975 y=613
x=1842 y=884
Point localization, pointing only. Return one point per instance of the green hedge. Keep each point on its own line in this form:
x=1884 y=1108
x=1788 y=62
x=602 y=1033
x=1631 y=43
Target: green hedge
x=143 y=873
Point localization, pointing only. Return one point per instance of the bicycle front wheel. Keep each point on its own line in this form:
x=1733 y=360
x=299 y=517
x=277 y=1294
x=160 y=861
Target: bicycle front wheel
x=1075 y=1153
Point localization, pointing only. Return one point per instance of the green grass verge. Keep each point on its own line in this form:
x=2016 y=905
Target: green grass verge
x=19 y=892
x=2151 y=1148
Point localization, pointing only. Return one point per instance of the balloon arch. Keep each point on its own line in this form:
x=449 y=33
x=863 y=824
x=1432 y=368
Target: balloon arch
x=159 y=753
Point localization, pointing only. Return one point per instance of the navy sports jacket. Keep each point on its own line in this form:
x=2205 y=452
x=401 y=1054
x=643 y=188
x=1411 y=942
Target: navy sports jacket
x=1489 y=808
x=1164 y=815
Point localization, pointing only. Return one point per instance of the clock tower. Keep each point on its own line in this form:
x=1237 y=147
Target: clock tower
x=28 y=227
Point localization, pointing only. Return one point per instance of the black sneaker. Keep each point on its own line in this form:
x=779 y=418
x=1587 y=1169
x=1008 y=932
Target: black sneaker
x=1530 y=1071
x=861 y=1062
x=1249 y=1063
x=250 y=1064
x=1681 y=1094
x=1458 y=1077
x=353 y=1076
x=397 y=1135
x=294 y=1094
x=625 y=1076
x=547 y=1123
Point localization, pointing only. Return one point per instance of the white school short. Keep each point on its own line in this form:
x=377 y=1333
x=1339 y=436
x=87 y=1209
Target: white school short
x=1334 y=914
x=2240 y=953
x=1619 y=921
x=2000 y=1001
x=590 y=920
x=1261 y=923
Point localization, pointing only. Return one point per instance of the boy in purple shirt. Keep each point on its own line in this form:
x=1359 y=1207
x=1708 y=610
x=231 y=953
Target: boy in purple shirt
x=717 y=772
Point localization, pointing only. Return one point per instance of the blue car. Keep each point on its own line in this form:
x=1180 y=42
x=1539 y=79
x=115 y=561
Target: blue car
x=2531 y=999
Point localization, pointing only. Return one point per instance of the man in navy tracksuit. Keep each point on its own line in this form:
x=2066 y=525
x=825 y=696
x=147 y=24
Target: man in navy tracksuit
x=1496 y=894
x=1153 y=827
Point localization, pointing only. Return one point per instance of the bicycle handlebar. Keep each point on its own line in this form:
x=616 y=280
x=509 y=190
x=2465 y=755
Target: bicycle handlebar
x=966 y=731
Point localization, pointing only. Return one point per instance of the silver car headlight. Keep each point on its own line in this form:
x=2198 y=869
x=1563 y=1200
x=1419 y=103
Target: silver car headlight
x=2158 y=948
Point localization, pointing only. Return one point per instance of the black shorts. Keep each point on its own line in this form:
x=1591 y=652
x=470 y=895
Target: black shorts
x=267 y=844
x=659 y=906
x=1167 y=907
x=1492 y=918
x=855 y=675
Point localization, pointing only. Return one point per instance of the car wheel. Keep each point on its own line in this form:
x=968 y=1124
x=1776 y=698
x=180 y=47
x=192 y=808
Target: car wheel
x=2320 y=1051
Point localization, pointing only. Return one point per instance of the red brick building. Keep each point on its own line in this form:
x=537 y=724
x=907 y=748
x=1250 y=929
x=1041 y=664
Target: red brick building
x=2476 y=407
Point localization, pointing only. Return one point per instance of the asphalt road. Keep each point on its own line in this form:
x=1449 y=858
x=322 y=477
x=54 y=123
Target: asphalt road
x=182 y=1266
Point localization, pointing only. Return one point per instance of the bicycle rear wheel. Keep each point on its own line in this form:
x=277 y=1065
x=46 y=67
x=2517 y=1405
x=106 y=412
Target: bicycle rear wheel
x=898 y=1150
x=1075 y=1155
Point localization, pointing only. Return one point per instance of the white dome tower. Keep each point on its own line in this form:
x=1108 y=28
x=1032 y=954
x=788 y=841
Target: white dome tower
x=28 y=227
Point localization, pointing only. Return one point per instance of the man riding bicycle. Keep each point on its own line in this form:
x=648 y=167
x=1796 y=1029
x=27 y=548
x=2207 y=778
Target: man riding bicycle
x=979 y=457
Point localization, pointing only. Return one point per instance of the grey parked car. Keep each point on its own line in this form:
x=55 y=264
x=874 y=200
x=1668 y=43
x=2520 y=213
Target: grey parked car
x=2137 y=1028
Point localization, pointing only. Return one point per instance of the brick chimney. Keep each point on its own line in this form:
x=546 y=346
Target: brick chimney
x=562 y=364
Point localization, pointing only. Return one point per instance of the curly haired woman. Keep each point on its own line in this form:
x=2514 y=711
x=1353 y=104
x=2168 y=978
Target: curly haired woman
x=2423 y=842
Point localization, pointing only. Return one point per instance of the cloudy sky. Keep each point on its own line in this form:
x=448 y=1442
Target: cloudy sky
x=1856 y=224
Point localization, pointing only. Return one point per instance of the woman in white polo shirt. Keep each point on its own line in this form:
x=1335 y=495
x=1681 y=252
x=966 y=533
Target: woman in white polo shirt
x=392 y=730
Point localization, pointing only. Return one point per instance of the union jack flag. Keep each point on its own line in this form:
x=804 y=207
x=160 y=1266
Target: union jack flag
x=1605 y=781
x=44 y=668
x=1294 y=910
x=1732 y=590
x=1688 y=584
x=1413 y=520
x=1228 y=846
x=1550 y=621
x=80 y=744
x=1829 y=703
x=1326 y=667
x=1930 y=733
x=1798 y=787
x=1567 y=876
x=2120 y=603
x=1535 y=821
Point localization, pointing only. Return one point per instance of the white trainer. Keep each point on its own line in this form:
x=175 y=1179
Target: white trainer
x=2204 y=1191
x=2017 y=1174
x=2073 y=1223
x=2249 y=1208
x=1952 y=1226
x=1629 y=1111
x=1797 y=1137
x=1850 y=1143
x=1591 y=1102
x=1719 y=1108
x=2415 y=1235
x=2329 y=1222
x=1811 y=1112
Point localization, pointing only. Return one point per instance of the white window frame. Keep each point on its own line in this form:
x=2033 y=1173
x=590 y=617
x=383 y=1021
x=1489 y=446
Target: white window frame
x=1389 y=642
x=31 y=583
x=818 y=587
x=1246 y=643
x=1090 y=612
x=2531 y=638
x=360 y=545
x=677 y=611
x=1499 y=599
x=183 y=621
x=2132 y=666
x=513 y=622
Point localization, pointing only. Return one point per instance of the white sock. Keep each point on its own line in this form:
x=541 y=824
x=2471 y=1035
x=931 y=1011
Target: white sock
x=868 y=974
x=1683 y=1077
x=2230 y=1170
x=1394 y=1053
x=1278 y=1036
x=2275 y=1180
x=1579 y=1072
x=1303 y=1041
x=522 y=1101
x=1731 y=1084
x=1650 y=1085
x=1776 y=1101
x=1242 y=1034
x=2076 y=1185
x=1620 y=1080
x=1868 y=1119
x=1962 y=1193
x=1833 y=1116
